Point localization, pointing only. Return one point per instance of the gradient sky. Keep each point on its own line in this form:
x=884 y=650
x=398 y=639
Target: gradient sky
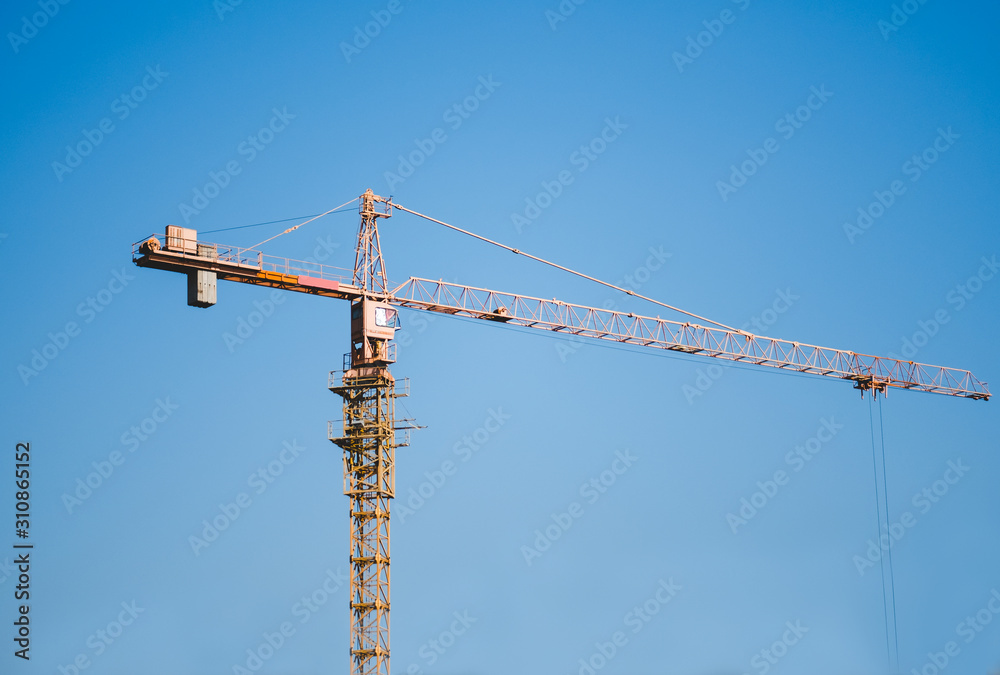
x=533 y=83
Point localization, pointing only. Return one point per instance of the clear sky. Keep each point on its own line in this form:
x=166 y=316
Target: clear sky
x=824 y=171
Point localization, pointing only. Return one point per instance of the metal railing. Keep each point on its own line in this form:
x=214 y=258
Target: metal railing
x=248 y=258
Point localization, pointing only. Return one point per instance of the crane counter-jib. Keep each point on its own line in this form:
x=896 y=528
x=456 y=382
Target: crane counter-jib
x=181 y=252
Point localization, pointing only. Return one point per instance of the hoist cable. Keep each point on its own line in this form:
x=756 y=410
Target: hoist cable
x=878 y=537
x=885 y=499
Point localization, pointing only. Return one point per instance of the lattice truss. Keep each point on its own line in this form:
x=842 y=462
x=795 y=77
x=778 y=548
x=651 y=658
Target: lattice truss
x=368 y=440
x=869 y=372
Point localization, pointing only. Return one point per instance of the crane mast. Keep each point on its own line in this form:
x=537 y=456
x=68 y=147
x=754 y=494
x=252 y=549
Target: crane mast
x=369 y=443
x=370 y=431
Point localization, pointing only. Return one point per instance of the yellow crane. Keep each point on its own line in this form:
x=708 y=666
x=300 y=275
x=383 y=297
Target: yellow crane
x=368 y=434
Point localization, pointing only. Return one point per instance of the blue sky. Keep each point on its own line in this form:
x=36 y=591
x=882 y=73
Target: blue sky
x=863 y=221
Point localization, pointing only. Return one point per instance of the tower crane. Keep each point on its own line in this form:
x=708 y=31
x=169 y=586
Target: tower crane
x=370 y=430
